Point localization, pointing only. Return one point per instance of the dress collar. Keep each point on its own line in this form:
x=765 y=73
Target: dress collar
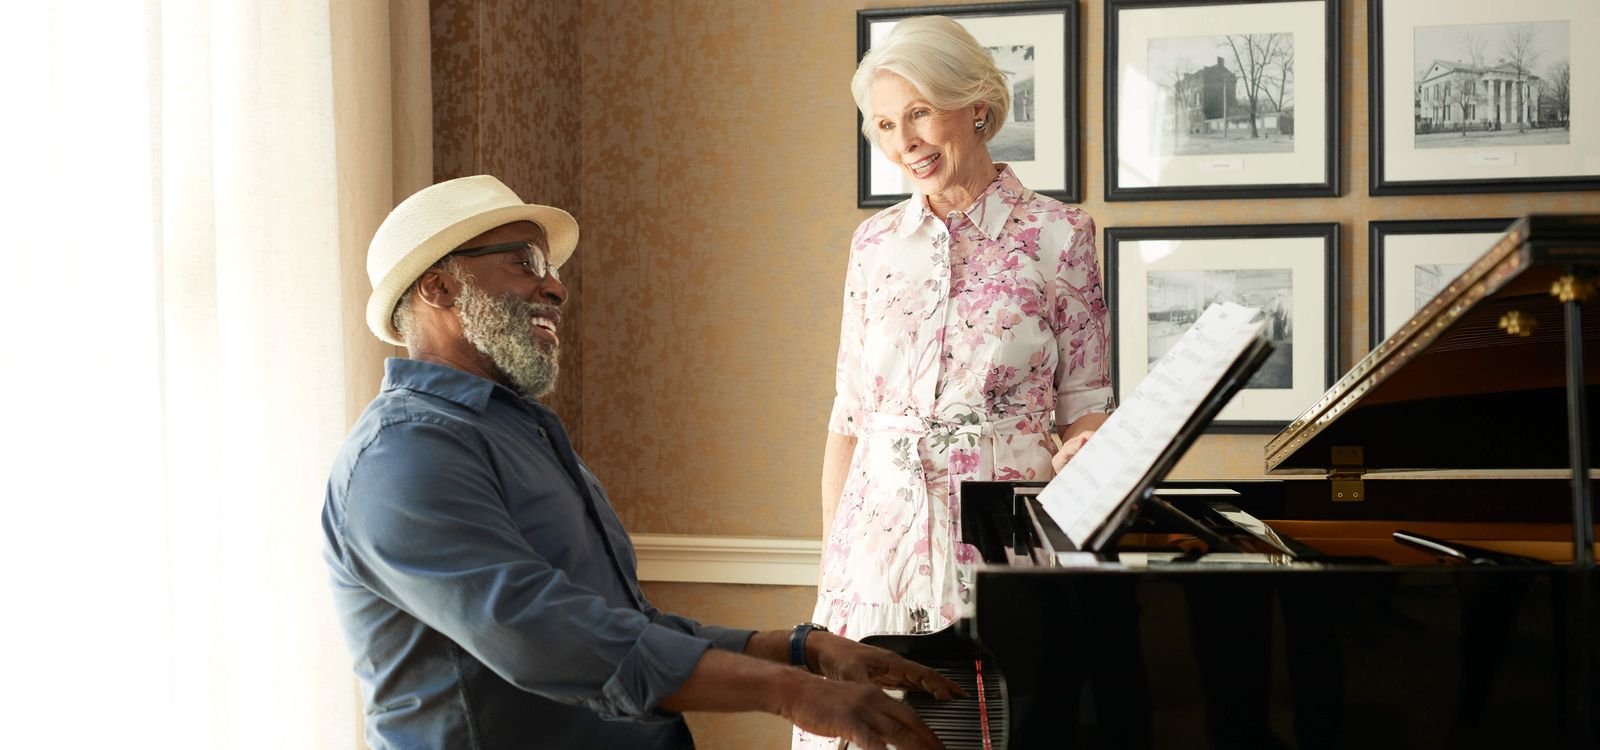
x=988 y=213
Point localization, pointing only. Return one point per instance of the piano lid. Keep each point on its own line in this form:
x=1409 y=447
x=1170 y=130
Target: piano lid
x=1452 y=388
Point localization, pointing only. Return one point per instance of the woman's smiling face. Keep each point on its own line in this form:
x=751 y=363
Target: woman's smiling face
x=939 y=149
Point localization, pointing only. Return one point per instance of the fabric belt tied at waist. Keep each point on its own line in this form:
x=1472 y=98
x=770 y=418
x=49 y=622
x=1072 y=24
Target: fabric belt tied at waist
x=958 y=440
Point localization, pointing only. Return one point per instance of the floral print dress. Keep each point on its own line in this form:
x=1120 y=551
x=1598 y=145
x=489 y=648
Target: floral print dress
x=965 y=341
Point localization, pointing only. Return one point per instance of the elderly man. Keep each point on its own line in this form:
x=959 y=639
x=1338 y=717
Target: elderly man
x=486 y=588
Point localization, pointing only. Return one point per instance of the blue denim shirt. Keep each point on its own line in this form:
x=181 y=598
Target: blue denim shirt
x=487 y=591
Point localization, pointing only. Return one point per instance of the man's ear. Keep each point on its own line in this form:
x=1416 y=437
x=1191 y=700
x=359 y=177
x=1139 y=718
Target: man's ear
x=437 y=289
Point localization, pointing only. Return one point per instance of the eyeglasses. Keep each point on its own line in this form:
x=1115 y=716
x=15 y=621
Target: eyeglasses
x=533 y=260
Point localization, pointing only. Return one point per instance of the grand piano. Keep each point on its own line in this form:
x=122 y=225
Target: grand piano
x=1422 y=576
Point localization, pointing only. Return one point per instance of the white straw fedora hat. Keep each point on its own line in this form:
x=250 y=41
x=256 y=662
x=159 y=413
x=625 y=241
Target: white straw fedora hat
x=436 y=220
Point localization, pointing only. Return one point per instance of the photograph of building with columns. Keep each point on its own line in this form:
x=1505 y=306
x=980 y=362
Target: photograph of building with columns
x=1485 y=85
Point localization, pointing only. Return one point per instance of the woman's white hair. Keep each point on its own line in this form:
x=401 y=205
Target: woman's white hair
x=944 y=62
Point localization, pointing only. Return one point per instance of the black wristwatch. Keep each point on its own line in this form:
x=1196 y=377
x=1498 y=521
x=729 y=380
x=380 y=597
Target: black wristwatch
x=797 y=643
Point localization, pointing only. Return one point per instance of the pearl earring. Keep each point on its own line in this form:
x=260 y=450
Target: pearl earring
x=980 y=124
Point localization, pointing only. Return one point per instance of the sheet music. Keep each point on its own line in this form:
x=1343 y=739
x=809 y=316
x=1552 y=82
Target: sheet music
x=1108 y=468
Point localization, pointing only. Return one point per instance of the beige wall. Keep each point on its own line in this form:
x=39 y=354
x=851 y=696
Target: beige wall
x=716 y=140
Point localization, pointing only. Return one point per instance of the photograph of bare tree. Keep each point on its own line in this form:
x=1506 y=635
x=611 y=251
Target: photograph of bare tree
x=1494 y=84
x=1243 y=103
x=1210 y=99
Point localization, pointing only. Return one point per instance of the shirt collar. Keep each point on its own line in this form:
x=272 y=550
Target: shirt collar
x=445 y=382
x=915 y=213
x=988 y=213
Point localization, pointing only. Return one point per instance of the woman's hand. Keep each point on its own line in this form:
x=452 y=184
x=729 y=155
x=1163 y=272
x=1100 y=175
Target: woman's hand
x=1070 y=448
x=1073 y=437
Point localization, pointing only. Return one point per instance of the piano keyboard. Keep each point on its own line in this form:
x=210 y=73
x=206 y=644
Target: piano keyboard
x=959 y=722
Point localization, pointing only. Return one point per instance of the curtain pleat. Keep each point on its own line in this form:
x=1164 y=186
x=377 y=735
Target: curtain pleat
x=192 y=187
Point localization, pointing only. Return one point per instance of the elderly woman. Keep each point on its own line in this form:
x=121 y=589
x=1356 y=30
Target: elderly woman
x=974 y=327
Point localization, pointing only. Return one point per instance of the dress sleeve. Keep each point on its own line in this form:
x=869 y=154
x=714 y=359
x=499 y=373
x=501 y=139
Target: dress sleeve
x=1083 y=372
x=434 y=538
x=849 y=387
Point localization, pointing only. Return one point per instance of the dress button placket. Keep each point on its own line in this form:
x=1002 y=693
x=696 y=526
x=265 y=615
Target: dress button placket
x=939 y=313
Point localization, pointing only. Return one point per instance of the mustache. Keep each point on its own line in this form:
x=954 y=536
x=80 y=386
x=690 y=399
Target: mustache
x=519 y=307
x=535 y=309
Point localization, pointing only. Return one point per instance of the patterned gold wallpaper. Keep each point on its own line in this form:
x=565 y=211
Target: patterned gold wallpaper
x=506 y=102
x=718 y=159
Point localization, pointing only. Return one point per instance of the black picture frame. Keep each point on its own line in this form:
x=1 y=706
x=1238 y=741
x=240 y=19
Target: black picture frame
x=1266 y=250
x=1437 y=241
x=1192 y=162
x=1068 y=188
x=1424 y=176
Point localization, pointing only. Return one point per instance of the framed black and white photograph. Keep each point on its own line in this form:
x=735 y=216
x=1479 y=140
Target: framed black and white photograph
x=1212 y=99
x=1160 y=279
x=1408 y=262
x=1484 y=96
x=1036 y=45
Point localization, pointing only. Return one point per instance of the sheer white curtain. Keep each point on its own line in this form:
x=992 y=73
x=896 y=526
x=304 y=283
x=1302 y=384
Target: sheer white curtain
x=189 y=190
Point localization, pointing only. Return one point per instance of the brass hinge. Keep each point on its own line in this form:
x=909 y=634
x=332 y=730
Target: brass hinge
x=1344 y=478
x=1347 y=486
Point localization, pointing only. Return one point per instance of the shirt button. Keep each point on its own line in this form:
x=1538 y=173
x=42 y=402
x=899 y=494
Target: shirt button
x=544 y=434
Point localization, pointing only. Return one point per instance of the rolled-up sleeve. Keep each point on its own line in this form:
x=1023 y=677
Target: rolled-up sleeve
x=848 y=385
x=722 y=638
x=1083 y=370
x=434 y=538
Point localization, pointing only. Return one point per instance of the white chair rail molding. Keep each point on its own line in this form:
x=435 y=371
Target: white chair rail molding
x=683 y=558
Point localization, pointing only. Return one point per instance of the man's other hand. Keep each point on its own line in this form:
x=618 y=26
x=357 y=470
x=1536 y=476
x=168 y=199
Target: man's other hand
x=839 y=658
x=858 y=712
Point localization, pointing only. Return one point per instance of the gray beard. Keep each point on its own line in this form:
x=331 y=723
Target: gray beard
x=503 y=330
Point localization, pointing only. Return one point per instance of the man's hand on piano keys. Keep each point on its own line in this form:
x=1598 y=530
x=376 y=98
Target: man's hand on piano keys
x=839 y=658
x=858 y=712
